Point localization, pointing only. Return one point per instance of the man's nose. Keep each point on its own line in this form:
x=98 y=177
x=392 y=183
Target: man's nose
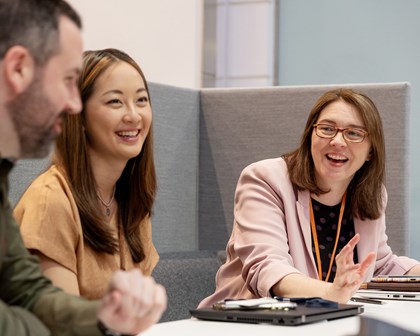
x=74 y=104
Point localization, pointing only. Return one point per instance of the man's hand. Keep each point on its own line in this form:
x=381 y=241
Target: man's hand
x=133 y=302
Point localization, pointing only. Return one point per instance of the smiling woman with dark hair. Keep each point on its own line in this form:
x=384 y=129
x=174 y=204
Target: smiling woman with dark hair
x=89 y=214
x=299 y=218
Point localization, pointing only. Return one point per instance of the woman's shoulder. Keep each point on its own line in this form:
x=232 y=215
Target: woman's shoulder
x=45 y=203
x=272 y=172
x=52 y=178
x=51 y=186
x=276 y=166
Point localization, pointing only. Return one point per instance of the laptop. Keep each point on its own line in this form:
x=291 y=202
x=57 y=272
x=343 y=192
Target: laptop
x=297 y=316
x=388 y=294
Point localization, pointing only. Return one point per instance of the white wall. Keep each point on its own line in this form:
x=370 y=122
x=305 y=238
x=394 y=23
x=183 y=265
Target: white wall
x=358 y=41
x=163 y=36
x=320 y=42
x=239 y=43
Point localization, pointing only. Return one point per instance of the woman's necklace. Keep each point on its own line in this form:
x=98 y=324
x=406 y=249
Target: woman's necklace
x=315 y=236
x=107 y=205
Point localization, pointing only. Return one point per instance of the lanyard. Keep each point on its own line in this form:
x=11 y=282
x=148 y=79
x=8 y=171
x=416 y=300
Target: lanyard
x=314 y=234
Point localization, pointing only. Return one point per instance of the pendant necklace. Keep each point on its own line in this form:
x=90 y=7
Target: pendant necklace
x=107 y=205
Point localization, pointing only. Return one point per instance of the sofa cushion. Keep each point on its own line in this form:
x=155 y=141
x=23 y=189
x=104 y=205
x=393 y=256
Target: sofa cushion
x=188 y=278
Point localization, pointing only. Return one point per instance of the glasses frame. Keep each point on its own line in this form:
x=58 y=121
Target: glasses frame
x=342 y=130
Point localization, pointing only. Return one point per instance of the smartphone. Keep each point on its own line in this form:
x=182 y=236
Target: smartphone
x=251 y=304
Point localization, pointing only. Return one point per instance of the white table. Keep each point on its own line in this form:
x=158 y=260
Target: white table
x=405 y=314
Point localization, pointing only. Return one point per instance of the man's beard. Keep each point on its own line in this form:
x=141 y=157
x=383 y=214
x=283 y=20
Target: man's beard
x=35 y=136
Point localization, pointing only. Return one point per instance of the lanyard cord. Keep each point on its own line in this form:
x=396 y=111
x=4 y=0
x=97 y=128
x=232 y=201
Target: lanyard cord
x=314 y=234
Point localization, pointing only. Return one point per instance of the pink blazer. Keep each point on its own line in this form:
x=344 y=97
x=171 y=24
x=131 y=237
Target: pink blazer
x=271 y=236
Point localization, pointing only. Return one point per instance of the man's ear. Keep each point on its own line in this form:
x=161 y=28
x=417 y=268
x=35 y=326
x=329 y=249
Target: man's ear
x=19 y=68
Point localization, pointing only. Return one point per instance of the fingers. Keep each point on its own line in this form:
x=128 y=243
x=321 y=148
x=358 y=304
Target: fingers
x=346 y=254
x=353 y=274
x=367 y=262
x=353 y=242
x=156 y=310
x=121 y=280
x=348 y=273
x=133 y=303
x=140 y=300
x=109 y=305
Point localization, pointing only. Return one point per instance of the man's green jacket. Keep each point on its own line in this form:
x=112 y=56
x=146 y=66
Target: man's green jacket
x=29 y=303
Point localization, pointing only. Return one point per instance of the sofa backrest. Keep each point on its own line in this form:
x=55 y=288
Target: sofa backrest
x=240 y=126
x=176 y=113
x=204 y=138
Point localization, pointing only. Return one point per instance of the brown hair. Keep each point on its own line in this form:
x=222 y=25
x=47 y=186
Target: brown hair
x=365 y=189
x=136 y=187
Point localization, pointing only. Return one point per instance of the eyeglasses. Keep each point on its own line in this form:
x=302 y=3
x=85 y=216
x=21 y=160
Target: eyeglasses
x=349 y=134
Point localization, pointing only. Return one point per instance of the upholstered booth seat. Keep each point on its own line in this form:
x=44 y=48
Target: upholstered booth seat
x=203 y=140
x=188 y=277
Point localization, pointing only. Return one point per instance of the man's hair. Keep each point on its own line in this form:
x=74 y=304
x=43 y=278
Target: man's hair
x=33 y=24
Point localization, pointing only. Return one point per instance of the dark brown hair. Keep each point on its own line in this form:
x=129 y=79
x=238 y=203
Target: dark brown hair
x=136 y=187
x=365 y=189
x=34 y=24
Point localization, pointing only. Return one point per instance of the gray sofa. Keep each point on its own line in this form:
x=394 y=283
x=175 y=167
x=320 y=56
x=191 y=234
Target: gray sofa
x=203 y=139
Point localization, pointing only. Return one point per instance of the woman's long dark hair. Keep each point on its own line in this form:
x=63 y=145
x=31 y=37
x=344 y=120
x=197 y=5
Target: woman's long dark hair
x=136 y=187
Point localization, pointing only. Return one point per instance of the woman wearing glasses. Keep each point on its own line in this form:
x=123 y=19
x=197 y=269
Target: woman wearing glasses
x=298 y=218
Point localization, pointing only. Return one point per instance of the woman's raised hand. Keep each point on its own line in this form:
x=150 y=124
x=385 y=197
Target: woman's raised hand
x=348 y=276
